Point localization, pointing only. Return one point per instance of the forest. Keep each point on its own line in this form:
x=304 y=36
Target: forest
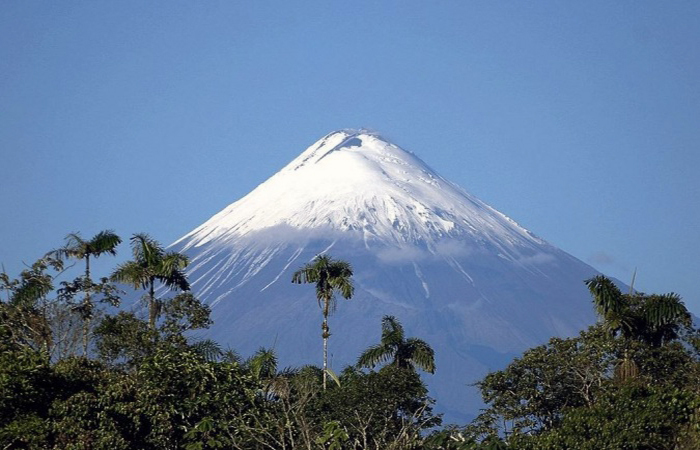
x=77 y=371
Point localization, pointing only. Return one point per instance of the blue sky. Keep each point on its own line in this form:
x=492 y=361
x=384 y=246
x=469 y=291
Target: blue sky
x=581 y=121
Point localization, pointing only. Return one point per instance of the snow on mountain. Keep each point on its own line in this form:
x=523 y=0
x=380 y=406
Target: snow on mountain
x=355 y=181
x=456 y=272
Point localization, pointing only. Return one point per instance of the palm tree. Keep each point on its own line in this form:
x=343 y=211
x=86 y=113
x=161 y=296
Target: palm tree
x=262 y=367
x=78 y=248
x=263 y=364
x=330 y=276
x=411 y=353
x=152 y=263
x=652 y=319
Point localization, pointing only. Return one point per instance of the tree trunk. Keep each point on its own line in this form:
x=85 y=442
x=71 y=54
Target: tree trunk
x=152 y=313
x=86 y=308
x=325 y=334
x=325 y=350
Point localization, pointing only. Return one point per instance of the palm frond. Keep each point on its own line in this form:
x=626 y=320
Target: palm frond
x=104 y=242
x=231 y=356
x=343 y=284
x=133 y=274
x=333 y=376
x=171 y=261
x=606 y=295
x=304 y=275
x=392 y=331
x=175 y=279
x=666 y=309
x=71 y=249
x=31 y=290
x=409 y=353
x=376 y=354
x=208 y=349
x=330 y=276
x=146 y=250
x=421 y=354
x=263 y=364
x=75 y=246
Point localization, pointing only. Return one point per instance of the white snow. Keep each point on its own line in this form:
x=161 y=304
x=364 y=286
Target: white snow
x=356 y=181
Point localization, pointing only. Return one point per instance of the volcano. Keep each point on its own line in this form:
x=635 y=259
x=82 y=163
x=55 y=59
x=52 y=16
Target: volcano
x=455 y=272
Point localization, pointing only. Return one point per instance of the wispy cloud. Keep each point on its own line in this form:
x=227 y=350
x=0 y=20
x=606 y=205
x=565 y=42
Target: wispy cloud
x=601 y=258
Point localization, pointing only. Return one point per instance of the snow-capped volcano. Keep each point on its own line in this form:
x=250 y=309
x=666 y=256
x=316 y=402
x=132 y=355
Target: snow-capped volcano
x=456 y=272
x=355 y=181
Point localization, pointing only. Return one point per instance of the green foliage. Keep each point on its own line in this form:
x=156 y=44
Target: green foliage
x=180 y=391
x=533 y=391
x=263 y=364
x=152 y=263
x=26 y=318
x=632 y=417
x=330 y=276
x=333 y=436
x=411 y=353
x=184 y=312
x=124 y=339
x=632 y=382
x=384 y=409
x=78 y=248
x=654 y=319
x=26 y=390
x=451 y=439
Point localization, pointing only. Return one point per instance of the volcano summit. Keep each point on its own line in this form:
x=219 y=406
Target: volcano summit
x=457 y=273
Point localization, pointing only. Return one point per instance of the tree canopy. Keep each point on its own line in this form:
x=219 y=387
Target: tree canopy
x=151 y=384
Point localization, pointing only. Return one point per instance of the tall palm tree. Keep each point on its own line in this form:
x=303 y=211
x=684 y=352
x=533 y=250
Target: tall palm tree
x=411 y=353
x=152 y=263
x=330 y=276
x=104 y=242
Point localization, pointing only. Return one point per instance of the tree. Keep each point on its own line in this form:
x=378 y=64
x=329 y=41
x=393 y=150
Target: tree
x=385 y=409
x=654 y=319
x=532 y=392
x=629 y=381
x=31 y=317
x=78 y=248
x=404 y=353
x=632 y=417
x=330 y=276
x=152 y=263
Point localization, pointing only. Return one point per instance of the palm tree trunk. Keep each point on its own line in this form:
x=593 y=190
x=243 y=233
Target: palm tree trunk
x=326 y=334
x=325 y=350
x=86 y=305
x=152 y=313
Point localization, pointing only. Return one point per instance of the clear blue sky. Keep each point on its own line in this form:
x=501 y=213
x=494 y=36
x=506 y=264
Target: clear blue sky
x=579 y=120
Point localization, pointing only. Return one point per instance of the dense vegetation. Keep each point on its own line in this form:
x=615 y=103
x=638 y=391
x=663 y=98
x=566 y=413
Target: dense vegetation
x=76 y=373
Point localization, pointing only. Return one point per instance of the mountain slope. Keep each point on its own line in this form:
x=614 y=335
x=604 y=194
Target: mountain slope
x=456 y=272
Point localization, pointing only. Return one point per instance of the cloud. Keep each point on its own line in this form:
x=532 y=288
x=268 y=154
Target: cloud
x=287 y=234
x=449 y=247
x=538 y=258
x=601 y=258
x=394 y=255
x=412 y=253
